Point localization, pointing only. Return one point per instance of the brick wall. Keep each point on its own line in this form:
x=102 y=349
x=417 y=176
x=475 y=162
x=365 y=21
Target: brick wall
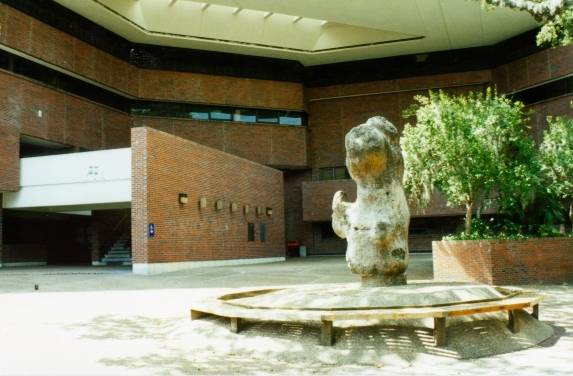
x=556 y=107
x=272 y=145
x=334 y=110
x=295 y=228
x=202 y=88
x=317 y=198
x=317 y=201
x=423 y=230
x=64 y=118
x=534 y=69
x=164 y=166
x=32 y=37
x=9 y=157
x=505 y=262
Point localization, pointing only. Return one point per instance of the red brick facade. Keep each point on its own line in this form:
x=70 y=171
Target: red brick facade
x=9 y=158
x=165 y=165
x=334 y=110
x=504 y=262
x=534 y=69
x=32 y=37
x=36 y=110
x=280 y=146
x=202 y=88
x=300 y=152
x=317 y=201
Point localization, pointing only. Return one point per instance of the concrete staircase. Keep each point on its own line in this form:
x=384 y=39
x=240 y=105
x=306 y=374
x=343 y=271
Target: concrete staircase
x=120 y=252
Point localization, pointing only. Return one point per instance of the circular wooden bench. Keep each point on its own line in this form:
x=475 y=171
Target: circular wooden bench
x=222 y=306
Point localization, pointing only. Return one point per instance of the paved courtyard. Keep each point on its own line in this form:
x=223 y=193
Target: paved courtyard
x=106 y=321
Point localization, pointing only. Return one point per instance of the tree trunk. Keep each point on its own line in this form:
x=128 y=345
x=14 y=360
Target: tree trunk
x=468 y=221
x=571 y=214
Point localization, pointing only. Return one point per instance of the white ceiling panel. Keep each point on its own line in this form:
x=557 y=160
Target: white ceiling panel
x=310 y=31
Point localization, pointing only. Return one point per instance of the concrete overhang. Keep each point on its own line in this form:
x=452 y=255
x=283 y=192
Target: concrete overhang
x=312 y=32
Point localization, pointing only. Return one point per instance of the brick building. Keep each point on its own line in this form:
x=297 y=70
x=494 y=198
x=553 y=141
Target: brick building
x=218 y=86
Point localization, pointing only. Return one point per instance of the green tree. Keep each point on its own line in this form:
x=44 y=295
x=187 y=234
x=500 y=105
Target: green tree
x=555 y=17
x=469 y=147
x=557 y=158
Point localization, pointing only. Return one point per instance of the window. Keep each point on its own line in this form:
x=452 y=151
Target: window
x=263 y=234
x=333 y=173
x=215 y=113
x=251 y=232
x=245 y=116
x=220 y=115
x=291 y=119
x=270 y=117
x=199 y=113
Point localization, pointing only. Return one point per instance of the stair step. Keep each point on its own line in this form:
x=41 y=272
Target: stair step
x=119 y=252
x=116 y=257
x=122 y=251
x=118 y=263
x=112 y=259
x=126 y=250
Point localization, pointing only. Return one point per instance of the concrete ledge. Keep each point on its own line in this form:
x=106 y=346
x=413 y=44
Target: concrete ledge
x=166 y=267
x=29 y=263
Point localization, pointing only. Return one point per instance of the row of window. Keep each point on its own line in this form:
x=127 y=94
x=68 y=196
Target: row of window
x=251 y=232
x=333 y=173
x=216 y=113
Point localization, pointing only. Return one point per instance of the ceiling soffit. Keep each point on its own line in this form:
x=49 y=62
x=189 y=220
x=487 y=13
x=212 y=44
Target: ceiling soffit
x=311 y=31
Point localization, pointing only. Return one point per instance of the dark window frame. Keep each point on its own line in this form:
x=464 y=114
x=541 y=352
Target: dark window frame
x=333 y=173
x=263 y=232
x=251 y=232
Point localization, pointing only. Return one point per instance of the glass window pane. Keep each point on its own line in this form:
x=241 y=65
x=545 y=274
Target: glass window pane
x=325 y=173
x=290 y=119
x=268 y=117
x=251 y=232
x=177 y=110
x=158 y=110
x=145 y=111
x=263 y=233
x=246 y=116
x=218 y=114
x=340 y=173
x=199 y=114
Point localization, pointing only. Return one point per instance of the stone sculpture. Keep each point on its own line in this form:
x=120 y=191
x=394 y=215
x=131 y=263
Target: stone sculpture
x=376 y=224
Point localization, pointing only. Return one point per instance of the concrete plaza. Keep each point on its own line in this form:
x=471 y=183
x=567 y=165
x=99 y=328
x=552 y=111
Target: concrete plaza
x=107 y=321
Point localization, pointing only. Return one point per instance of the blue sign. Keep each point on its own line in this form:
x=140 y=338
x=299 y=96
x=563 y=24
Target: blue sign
x=151 y=230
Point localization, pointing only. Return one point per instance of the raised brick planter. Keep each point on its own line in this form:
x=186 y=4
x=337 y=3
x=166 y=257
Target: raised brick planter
x=504 y=262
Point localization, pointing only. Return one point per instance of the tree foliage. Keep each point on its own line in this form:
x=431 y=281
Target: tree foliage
x=470 y=148
x=555 y=17
x=557 y=158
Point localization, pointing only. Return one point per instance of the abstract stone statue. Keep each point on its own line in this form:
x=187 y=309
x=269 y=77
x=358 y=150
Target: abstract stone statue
x=376 y=224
